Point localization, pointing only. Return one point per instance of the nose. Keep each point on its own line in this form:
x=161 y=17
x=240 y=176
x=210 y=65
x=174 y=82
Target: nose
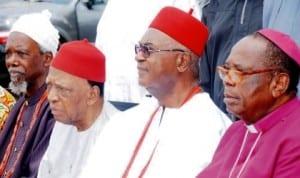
x=52 y=95
x=227 y=81
x=11 y=60
x=139 y=56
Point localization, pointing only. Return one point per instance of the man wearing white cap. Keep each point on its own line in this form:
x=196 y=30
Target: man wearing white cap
x=75 y=92
x=31 y=45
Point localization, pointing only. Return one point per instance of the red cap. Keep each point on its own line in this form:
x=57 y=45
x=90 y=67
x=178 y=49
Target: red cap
x=82 y=59
x=283 y=42
x=182 y=27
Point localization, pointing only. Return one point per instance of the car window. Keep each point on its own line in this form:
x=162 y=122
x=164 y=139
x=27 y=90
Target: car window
x=57 y=1
x=53 y=1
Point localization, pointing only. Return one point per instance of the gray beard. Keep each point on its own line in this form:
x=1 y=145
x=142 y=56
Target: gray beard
x=18 y=88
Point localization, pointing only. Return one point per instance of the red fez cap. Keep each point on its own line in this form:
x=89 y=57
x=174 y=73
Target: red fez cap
x=82 y=59
x=283 y=42
x=182 y=27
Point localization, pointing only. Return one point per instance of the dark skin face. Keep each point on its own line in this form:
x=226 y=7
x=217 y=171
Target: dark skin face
x=158 y=70
x=72 y=100
x=25 y=61
x=165 y=74
x=258 y=94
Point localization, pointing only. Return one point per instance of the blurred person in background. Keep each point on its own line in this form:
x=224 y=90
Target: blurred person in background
x=284 y=16
x=30 y=47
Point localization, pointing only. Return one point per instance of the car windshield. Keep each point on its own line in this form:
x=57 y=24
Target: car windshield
x=57 y=1
x=53 y=1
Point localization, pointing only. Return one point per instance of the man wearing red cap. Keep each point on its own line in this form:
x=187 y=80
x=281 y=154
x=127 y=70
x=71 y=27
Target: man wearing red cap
x=75 y=85
x=175 y=132
x=260 y=78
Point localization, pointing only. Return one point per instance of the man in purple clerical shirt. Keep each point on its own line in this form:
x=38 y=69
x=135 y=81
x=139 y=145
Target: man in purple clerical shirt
x=260 y=80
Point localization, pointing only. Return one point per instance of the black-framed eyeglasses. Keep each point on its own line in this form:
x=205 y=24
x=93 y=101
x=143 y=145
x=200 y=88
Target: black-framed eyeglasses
x=236 y=76
x=145 y=50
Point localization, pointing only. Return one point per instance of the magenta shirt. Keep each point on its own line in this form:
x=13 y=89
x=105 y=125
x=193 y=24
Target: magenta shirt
x=272 y=149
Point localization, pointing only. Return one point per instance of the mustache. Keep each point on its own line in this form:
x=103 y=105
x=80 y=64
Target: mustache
x=16 y=70
x=16 y=74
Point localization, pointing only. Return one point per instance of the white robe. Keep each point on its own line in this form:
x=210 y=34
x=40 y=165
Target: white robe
x=68 y=149
x=186 y=137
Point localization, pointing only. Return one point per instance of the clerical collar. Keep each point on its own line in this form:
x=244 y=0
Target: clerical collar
x=251 y=128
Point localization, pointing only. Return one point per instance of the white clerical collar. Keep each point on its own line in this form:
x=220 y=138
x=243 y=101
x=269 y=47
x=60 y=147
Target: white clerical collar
x=252 y=128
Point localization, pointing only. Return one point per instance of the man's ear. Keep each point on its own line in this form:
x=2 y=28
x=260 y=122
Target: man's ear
x=47 y=58
x=93 y=95
x=183 y=61
x=280 y=84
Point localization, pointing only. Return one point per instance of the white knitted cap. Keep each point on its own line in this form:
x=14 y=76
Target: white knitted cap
x=39 y=28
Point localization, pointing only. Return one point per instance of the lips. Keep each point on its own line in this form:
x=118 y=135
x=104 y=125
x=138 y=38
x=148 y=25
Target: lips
x=55 y=112
x=16 y=75
x=141 y=70
x=229 y=99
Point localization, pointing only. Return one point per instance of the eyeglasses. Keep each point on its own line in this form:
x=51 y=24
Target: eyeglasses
x=146 y=50
x=236 y=76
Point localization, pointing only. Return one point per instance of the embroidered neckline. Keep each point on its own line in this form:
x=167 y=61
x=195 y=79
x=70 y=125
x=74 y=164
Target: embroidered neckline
x=18 y=125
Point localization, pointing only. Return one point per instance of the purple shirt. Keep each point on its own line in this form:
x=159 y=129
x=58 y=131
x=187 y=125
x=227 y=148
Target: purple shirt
x=38 y=140
x=271 y=148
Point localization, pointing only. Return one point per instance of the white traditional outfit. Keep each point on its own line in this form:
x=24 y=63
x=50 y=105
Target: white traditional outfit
x=182 y=140
x=68 y=148
x=153 y=141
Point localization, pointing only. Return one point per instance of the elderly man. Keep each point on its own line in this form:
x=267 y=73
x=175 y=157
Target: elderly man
x=175 y=132
x=75 y=92
x=30 y=47
x=260 y=78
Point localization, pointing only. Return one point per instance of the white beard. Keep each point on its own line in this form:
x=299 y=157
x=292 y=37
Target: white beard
x=17 y=84
x=18 y=88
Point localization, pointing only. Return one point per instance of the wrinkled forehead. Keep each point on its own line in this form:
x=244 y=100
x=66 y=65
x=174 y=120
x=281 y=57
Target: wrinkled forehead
x=22 y=41
x=248 y=52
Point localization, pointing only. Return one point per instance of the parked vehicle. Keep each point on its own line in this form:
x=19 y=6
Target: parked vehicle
x=75 y=19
